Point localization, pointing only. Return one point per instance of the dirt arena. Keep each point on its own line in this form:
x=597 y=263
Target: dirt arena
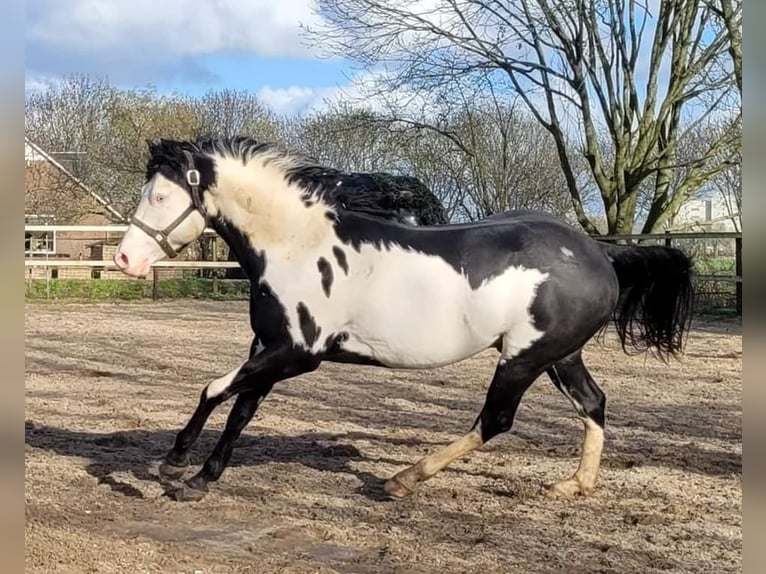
x=108 y=386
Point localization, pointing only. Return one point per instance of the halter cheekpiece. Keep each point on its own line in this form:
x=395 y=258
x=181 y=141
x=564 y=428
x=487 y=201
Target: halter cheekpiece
x=161 y=236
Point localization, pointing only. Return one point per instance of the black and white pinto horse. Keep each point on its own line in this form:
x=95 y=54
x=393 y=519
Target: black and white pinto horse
x=330 y=284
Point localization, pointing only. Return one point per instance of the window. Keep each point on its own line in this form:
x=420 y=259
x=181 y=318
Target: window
x=39 y=242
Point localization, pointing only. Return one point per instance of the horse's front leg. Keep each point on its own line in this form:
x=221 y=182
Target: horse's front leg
x=252 y=382
x=177 y=459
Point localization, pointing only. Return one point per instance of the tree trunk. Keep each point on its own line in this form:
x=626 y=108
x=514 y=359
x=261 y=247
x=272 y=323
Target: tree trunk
x=625 y=214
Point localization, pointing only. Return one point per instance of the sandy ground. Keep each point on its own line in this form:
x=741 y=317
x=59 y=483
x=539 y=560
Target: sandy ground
x=108 y=386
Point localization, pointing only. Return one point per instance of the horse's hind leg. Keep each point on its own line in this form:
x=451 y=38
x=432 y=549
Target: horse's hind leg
x=573 y=379
x=511 y=380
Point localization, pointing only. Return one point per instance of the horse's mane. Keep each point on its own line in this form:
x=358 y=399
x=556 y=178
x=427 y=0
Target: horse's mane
x=377 y=194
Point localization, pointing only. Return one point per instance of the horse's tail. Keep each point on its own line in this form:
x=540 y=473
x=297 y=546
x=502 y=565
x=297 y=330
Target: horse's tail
x=656 y=297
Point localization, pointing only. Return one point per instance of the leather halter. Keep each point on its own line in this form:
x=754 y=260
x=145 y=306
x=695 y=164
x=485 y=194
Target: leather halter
x=161 y=236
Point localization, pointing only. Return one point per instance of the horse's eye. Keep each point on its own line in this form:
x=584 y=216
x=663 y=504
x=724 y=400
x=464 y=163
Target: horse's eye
x=159 y=198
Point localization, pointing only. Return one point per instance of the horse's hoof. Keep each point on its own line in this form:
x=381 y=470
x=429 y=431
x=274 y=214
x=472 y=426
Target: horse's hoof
x=396 y=489
x=566 y=488
x=171 y=471
x=185 y=493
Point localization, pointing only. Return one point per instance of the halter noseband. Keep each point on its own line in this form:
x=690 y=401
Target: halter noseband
x=161 y=236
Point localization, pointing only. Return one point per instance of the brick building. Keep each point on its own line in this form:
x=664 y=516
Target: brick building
x=54 y=195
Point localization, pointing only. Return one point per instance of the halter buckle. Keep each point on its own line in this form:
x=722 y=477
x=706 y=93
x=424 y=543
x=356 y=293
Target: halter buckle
x=192 y=177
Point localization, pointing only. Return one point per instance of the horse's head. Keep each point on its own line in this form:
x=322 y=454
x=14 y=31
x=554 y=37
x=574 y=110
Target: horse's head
x=171 y=212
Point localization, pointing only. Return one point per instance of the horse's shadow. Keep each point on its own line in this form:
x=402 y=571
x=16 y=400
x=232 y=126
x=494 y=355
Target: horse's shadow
x=137 y=452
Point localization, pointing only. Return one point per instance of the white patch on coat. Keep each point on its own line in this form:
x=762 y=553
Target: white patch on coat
x=270 y=212
x=218 y=386
x=408 y=309
x=567 y=252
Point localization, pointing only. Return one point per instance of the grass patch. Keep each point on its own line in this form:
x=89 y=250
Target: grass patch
x=131 y=290
x=721 y=265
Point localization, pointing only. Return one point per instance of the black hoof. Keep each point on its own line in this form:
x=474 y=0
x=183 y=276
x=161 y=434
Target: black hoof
x=171 y=471
x=185 y=493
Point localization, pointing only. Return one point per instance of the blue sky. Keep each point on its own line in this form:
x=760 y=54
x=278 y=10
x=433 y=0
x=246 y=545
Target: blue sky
x=193 y=46
x=190 y=46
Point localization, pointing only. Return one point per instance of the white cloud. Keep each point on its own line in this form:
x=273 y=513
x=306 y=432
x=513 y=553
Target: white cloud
x=296 y=100
x=37 y=83
x=145 y=32
x=360 y=91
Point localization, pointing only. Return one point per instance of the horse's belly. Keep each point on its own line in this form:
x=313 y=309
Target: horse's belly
x=412 y=351
x=421 y=313
x=428 y=336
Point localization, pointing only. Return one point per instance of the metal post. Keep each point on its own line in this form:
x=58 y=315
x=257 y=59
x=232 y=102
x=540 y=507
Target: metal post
x=155 y=284
x=668 y=239
x=738 y=272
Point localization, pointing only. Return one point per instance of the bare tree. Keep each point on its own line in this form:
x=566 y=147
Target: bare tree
x=730 y=14
x=728 y=187
x=584 y=69
x=486 y=157
x=226 y=113
x=347 y=138
x=478 y=159
x=69 y=117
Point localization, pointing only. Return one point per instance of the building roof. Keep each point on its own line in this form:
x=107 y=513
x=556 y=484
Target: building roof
x=33 y=152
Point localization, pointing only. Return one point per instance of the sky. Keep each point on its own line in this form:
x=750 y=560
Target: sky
x=193 y=46
x=187 y=46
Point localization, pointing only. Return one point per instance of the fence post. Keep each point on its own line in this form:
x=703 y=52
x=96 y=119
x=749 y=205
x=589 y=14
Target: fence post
x=738 y=272
x=668 y=239
x=215 y=271
x=155 y=284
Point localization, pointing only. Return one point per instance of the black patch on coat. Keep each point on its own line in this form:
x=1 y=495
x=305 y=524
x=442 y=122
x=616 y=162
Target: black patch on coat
x=253 y=262
x=167 y=158
x=335 y=353
x=325 y=270
x=268 y=316
x=308 y=325
x=384 y=195
x=334 y=341
x=340 y=257
x=480 y=250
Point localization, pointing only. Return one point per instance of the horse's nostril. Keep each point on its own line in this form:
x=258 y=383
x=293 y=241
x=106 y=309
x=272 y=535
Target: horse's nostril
x=121 y=259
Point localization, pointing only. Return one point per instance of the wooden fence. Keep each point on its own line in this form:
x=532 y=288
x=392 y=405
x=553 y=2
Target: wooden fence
x=680 y=240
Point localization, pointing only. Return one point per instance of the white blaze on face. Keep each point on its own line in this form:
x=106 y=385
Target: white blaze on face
x=162 y=201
